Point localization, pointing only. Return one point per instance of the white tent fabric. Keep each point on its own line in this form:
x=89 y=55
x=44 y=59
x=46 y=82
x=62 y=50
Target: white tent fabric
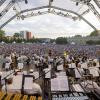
x=65 y=4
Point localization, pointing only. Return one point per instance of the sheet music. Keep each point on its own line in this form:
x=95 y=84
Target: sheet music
x=59 y=84
x=28 y=83
x=94 y=71
x=84 y=65
x=17 y=82
x=77 y=73
x=78 y=88
x=54 y=85
x=48 y=73
x=63 y=84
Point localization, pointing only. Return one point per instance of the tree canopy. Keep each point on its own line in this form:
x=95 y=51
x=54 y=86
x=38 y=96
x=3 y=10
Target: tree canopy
x=16 y=35
x=91 y=42
x=61 y=40
x=78 y=36
x=94 y=33
x=2 y=33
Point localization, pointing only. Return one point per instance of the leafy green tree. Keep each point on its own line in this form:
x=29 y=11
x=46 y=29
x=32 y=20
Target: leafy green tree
x=16 y=35
x=18 y=40
x=94 y=33
x=52 y=40
x=37 y=40
x=5 y=39
x=61 y=40
x=32 y=40
x=2 y=34
x=91 y=42
x=78 y=36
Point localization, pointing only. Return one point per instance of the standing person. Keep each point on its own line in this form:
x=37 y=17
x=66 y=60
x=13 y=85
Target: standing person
x=0 y=80
x=14 y=60
x=54 y=64
x=98 y=56
x=28 y=61
x=50 y=53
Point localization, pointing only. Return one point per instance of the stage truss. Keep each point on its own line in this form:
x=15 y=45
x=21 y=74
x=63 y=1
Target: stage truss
x=73 y=9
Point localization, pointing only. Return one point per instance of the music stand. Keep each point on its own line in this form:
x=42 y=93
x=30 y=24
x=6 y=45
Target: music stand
x=23 y=81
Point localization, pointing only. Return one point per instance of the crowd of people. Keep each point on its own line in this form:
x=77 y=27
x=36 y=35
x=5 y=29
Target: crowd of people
x=41 y=49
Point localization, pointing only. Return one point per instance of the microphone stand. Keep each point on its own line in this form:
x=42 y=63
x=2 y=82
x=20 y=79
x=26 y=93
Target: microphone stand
x=5 y=86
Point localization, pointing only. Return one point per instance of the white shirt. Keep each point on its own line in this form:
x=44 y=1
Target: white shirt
x=78 y=72
x=60 y=67
x=35 y=89
x=84 y=65
x=10 y=89
x=89 y=85
x=20 y=65
x=72 y=65
x=8 y=59
x=48 y=73
x=94 y=71
x=7 y=65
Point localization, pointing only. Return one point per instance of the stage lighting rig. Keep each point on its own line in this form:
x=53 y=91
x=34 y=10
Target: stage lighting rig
x=2 y=1
x=26 y=1
x=81 y=1
x=90 y=5
x=9 y=6
x=77 y=3
x=74 y=18
x=0 y=14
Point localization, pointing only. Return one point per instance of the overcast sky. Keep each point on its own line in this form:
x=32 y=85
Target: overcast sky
x=49 y=25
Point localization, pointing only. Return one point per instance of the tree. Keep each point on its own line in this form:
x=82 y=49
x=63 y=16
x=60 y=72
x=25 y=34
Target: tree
x=78 y=36
x=5 y=39
x=2 y=34
x=31 y=40
x=18 y=40
x=16 y=35
x=91 y=42
x=61 y=40
x=52 y=40
x=94 y=33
